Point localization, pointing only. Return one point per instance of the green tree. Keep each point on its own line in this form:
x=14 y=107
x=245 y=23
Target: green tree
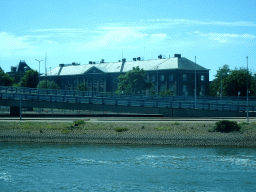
x=133 y=82
x=233 y=81
x=83 y=87
x=166 y=93
x=253 y=88
x=30 y=79
x=46 y=84
x=220 y=76
x=5 y=79
x=237 y=82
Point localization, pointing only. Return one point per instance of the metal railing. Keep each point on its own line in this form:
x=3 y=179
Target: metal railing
x=206 y=103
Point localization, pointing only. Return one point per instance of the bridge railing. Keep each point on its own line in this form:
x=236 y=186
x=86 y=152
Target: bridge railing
x=125 y=102
x=211 y=100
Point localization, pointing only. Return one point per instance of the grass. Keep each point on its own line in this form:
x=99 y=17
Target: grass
x=81 y=127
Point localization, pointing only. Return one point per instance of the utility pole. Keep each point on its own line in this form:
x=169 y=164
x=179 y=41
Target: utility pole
x=45 y=69
x=39 y=75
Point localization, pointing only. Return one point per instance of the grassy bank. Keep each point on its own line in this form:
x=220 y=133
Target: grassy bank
x=172 y=133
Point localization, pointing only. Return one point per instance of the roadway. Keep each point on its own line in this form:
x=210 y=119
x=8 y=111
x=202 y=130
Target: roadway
x=124 y=119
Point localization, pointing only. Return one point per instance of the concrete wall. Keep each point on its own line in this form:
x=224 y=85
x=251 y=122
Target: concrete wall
x=167 y=112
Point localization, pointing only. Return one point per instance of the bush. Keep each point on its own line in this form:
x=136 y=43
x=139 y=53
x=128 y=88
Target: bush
x=79 y=122
x=226 y=126
x=121 y=129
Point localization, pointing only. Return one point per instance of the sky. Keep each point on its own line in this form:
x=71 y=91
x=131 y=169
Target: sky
x=216 y=32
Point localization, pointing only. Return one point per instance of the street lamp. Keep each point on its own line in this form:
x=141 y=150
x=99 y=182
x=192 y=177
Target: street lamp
x=195 y=82
x=20 y=92
x=39 y=74
x=247 y=92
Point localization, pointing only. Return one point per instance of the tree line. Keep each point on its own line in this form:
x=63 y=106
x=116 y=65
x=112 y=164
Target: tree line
x=229 y=82
x=30 y=80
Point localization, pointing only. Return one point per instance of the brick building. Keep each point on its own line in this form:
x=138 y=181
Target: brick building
x=18 y=71
x=176 y=74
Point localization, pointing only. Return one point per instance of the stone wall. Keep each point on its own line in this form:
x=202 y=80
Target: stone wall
x=145 y=137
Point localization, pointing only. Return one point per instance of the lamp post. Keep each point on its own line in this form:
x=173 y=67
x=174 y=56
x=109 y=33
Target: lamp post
x=247 y=91
x=195 y=82
x=157 y=81
x=221 y=87
x=39 y=75
x=20 y=92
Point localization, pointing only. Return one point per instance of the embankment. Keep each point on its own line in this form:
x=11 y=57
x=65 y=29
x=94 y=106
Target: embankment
x=174 y=134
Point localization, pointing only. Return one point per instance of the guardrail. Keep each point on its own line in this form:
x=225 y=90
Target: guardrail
x=205 y=99
x=125 y=102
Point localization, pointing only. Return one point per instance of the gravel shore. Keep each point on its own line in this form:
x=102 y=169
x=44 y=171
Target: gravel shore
x=174 y=134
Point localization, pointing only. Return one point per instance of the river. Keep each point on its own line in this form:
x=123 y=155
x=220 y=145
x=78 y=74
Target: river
x=64 y=167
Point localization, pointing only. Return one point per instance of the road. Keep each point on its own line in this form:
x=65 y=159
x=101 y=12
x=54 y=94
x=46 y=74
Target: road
x=124 y=119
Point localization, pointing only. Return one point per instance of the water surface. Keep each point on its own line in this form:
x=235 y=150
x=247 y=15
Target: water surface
x=63 y=167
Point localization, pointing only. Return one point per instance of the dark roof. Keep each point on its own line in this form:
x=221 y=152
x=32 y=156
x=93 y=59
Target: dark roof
x=186 y=64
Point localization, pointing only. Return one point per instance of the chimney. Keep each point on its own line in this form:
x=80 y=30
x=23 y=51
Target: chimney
x=61 y=67
x=159 y=56
x=138 y=58
x=122 y=67
x=13 y=69
x=134 y=59
x=102 y=61
x=177 y=55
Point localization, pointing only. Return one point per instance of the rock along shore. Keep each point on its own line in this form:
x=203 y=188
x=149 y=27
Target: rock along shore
x=145 y=137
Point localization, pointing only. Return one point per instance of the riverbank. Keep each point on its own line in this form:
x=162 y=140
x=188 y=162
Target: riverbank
x=165 y=133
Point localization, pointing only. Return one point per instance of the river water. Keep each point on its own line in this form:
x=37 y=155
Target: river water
x=63 y=167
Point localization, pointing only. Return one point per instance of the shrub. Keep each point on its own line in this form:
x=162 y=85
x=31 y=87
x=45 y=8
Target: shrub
x=121 y=129
x=175 y=123
x=78 y=122
x=244 y=123
x=226 y=126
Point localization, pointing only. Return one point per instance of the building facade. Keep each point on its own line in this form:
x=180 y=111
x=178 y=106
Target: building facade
x=18 y=71
x=177 y=74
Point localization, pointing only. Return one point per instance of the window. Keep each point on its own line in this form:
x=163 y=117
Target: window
x=162 y=77
x=75 y=81
x=184 y=88
x=102 y=82
x=153 y=78
x=184 y=77
x=171 y=87
x=162 y=87
x=202 y=77
x=69 y=81
x=202 y=92
x=171 y=77
x=81 y=80
x=63 y=82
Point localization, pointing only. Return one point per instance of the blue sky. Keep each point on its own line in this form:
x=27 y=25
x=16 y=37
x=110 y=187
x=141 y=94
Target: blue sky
x=216 y=32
